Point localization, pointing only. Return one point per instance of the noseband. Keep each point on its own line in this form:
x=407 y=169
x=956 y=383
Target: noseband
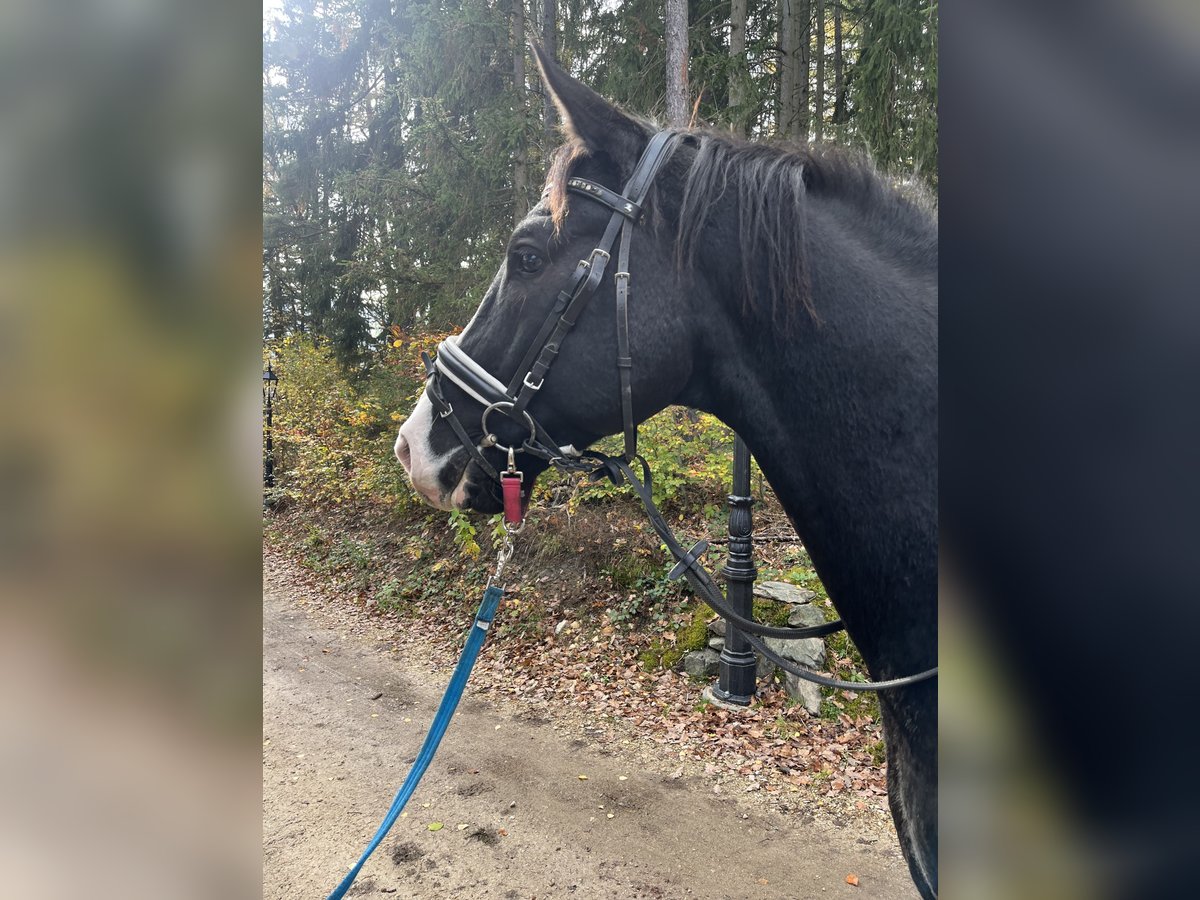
x=455 y=364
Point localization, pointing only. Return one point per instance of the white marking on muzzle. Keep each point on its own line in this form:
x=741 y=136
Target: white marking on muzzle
x=422 y=464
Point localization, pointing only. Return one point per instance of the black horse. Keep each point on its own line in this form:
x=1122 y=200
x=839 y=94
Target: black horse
x=794 y=296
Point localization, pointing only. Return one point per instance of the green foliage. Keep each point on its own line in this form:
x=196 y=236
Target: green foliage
x=464 y=534
x=687 y=451
x=666 y=651
x=896 y=79
x=334 y=432
x=645 y=590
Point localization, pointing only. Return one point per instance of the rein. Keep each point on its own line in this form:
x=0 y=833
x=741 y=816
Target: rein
x=512 y=400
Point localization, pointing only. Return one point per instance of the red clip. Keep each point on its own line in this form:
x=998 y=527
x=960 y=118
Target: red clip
x=510 y=485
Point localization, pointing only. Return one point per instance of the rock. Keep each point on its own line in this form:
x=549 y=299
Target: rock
x=807 y=652
x=716 y=643
x=782 y=592
x=717 y=627
x=701 y=663
x=558 y=629
x=806 y=692
x=804 y=615
x=765 y=671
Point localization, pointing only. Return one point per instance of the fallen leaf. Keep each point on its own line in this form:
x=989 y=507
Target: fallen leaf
x=583 y=778
x=435 y=826
x=852 y=879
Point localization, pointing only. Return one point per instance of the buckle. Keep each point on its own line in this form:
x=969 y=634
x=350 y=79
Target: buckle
x=533 y=387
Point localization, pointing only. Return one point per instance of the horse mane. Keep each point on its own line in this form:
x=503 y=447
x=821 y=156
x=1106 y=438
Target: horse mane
x=771 y=183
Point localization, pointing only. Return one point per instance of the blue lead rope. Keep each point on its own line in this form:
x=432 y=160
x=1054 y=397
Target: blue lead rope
x=441 y=721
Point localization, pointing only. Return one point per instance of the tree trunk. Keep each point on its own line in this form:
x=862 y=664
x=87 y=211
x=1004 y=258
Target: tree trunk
x=839 y=79
x=737 y=68
x=677 y=59
x=819 y=95
x=787 y=67
x=794 y=35
x=550 y=45
x=804 y=42
x=520 y=161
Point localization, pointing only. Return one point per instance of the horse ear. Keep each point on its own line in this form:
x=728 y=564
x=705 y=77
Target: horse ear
x=589 y=118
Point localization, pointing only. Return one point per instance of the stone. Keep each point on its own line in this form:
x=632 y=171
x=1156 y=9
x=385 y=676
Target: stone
x=807 y=652
x=717 y=627
x=806 y=692
x=804 y=615
x=782 y=592
x=701 y=663
x=716 y=643
x=765 y=671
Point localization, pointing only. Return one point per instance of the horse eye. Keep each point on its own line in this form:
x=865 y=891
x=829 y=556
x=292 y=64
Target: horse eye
x=528 y=262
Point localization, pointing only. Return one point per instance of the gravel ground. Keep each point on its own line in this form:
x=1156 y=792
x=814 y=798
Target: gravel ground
x=346 y=701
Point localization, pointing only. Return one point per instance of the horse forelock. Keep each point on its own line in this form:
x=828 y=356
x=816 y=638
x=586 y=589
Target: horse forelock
x=556 y=179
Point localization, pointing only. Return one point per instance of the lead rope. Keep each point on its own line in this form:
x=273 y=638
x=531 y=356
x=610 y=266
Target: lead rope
x=441 y=721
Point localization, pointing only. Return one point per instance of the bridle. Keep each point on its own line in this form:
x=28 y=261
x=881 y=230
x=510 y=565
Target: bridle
x=454 y=364
x=512 y=400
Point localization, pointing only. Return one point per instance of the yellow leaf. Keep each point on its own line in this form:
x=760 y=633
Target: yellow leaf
x=435 y=826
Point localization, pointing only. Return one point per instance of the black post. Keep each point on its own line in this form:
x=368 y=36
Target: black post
x=269 y=382
x=738 y=666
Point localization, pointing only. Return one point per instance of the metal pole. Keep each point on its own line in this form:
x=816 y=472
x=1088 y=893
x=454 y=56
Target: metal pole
x=269 y=381
x=738 y=666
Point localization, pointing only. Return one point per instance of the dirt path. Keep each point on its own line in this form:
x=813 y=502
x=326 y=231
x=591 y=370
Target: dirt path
x=333 y=758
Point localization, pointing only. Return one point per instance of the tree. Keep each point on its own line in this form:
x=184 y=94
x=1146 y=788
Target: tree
x=896 y=84
x=550 y=45
x=737 y=64
x=399 y=141
x=819 y=92
x=520 y=157
x=677 y=62
x=793 y=69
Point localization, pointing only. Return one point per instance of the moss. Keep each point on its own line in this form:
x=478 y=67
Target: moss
x=693 y=636
x=878 y=753
x=665 y=655
x=769 y=612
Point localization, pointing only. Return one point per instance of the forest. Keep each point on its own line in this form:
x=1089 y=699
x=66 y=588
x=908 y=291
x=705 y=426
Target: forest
x=402 y=139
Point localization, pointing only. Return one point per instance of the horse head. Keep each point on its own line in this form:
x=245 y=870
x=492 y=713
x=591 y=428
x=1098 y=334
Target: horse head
x=580 y=399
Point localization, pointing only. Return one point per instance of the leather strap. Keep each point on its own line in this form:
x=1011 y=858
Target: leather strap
x=618 y=203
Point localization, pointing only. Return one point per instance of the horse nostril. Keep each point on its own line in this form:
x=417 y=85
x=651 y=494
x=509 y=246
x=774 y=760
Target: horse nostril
x=404 y=453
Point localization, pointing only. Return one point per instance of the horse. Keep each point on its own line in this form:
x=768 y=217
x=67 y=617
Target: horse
x=792 y=293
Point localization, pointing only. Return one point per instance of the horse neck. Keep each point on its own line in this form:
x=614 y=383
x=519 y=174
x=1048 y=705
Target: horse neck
x=842 y=418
